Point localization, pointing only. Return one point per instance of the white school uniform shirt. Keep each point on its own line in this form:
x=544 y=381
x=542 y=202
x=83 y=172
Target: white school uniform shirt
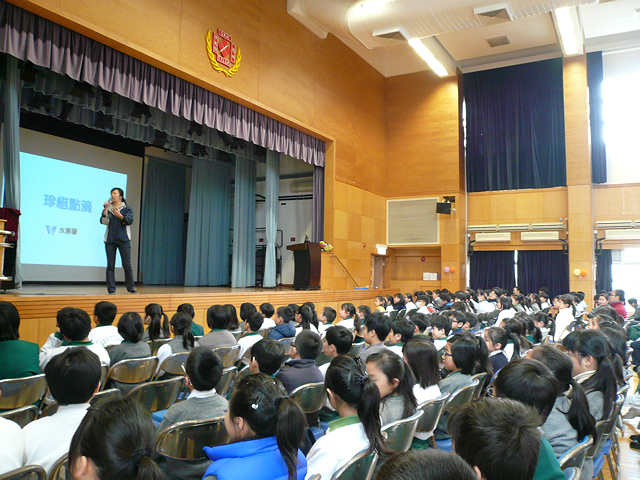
x=312 y=327
x=422 y=395
x=11 y=446
x=486 y=307
x=53 y=346
x=105 y=335
x=505 y=314
x=563 y=320
x=267 y=323
x=410 y=306
x=247 y=342
x=347 y=323
x=397 y=349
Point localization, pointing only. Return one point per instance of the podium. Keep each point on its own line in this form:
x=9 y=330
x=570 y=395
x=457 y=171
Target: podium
x=307 y=262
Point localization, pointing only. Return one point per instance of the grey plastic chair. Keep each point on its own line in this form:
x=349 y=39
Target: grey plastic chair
x=104 y=395
x=309 y=397
x=399 y=435
x=22 y=416
x=20 y=392
x=228 y=355
x=185 y=440
x=574 y=457
x=360 y=467
x=30 y=472
x=158 y=395
x=173 y=364
x=228 y=375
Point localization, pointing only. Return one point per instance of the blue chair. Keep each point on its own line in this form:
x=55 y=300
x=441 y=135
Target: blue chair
x=571 y=473
x=574 y=457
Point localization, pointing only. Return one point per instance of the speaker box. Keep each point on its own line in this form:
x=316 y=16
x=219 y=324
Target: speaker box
x=443 y=207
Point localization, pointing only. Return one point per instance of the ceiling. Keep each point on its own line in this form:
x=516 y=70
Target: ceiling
x=459 y=35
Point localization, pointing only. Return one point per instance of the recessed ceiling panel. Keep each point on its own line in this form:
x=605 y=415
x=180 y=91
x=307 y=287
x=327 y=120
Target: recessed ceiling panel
x=610 y=18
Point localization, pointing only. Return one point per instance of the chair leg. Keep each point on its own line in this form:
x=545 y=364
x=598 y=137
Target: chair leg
x=612 y=469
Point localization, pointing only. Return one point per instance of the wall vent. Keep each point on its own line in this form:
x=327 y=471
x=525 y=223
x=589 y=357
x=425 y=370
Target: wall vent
x=493 y=237
x=631 y=234
x=412 y=222
x=498 y=41
x=539 y=236
x=493 y=14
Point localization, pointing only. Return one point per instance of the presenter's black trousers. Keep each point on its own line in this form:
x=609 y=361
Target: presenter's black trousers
x=125 y=256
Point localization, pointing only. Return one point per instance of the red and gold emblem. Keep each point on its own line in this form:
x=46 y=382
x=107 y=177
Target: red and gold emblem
x=222 y=51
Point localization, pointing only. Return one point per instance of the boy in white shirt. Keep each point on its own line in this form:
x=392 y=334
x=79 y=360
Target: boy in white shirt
x=252 y=326
x=105 y=333
x=337 y=341
x=267 y=311
x=326 y=319
x=440 y=329
x=401 y=332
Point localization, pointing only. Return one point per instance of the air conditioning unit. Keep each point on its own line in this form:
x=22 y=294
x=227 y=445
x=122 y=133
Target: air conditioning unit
x=482 y=228
x=614 y=224
x=302 y=186
x=493 y=237
x=539 y=236
x=548 y=226
x=514 y=227
x=629 y=234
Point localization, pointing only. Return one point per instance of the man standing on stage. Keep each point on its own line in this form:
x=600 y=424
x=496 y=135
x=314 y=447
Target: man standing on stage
x=118 y=217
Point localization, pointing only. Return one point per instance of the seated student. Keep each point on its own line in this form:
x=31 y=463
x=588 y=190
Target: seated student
x=74 y=325
x=500 y=439
x=183 y=340
x=306 y=319
x=355 y=396
x=246 y=309
x=219 y=317
x=301 y=368
x=18 y=358
x=105 y=334
x=421 y=322
x=130 y=327
x=157 y=323
x=187 y=308
x=496 y=339
x=506 y=309
x=326 y=319
x=337 y=341
x=284 y=328
x=11 y=446
x=440 y=330
x=401 y=332
x=517 y=342
x=346 y=315
x=252 y=326
x=363 y=311
x=421 y=356
x=395 y=382
x=73 y=376
x=203 y=370
x=267 y=356
x=457 y=321
x=426 y=465
x=532 y=333
x=408 y=302
x=234 y=324
x=470 y=322
x=267 y=311
x=422 y=302
x=543 y=322
x=379 y=303
x=376 y=329
x=261 y=448
x=389 y=305
x=115 y=442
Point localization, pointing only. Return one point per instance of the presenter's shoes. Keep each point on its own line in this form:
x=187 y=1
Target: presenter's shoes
x=112 y=293
x=635 y=445
x=133 y=292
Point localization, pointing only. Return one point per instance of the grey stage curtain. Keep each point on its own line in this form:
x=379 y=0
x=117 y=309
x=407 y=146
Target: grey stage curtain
x=11 y=148
x=271 y=222
x=207 y=261
x=317 y=227
x=29 y=37
x=243 y=270
x=162 y=252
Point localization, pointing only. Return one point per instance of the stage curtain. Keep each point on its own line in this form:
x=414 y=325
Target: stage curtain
x=162 y=235
x=595 y=76
x=543 y=268
x=243 y=270
x=271 y=221
x=11 y=147
x=604 y=277
x=515 y=127
x=317 y=230
x=492 y=269
x=207 y=261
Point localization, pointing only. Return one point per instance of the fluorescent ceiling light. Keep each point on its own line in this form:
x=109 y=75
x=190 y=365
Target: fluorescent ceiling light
x=428 y=57
x=568 y=27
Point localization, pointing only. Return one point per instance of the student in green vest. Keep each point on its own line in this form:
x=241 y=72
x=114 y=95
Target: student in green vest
x=18 y=358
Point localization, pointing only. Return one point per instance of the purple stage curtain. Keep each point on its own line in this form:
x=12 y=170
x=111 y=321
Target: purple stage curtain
x=29 y=37
x=543 y=268
x=492 y=269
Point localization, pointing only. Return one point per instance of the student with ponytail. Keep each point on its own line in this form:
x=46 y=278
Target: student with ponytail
x=496 y=339
x=184 y=341
x=356 y=398
x=266 y=429
x=566 y=316
x=157 y=322
x=517 y=342
x=346 y=315
x=115 y=442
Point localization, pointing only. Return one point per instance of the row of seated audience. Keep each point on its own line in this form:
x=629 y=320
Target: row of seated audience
x=407 y=360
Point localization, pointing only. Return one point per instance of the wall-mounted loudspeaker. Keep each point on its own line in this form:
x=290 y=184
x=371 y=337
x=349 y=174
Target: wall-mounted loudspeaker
x=443 y=207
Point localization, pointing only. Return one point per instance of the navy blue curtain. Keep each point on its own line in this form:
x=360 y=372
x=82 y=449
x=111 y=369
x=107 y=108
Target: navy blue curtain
x=543 y=268
x=493 y=269
x=595 y=77
x=515 y=127
x=603 y=271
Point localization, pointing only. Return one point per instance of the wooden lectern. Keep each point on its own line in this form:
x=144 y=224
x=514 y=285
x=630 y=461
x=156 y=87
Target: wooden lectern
x=307 y=265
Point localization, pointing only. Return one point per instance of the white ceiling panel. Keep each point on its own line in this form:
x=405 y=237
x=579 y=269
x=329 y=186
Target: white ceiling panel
x=610 y=18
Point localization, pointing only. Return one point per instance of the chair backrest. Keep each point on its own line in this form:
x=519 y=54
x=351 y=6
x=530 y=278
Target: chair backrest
x=356 y=348
x=287 y=343
x=309 y=397
x=22 y=416
x=105 y=395
x=158 y=395
x=399 y=435
x=571 y=473
x=173 y=363
x=20 y=392
x=237 y=333
x=265 y=332
x=30 y=472
x=133 y=370
x=243 y=372
x=155 y=345
x=360 y=467
x=461 y=396
x=574 y=457
x=624 y=389
x=601 y=426
x=60 y=469
x=317 y=476
x=228 y=355
x=104 y=374
x=480 y=377
x=432 y=412
x=228 y=374
x=185 y=440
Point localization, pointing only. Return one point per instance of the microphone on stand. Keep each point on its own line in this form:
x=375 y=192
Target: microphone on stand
x=306 y=238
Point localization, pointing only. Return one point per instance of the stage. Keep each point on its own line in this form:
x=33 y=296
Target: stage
x=39 y=303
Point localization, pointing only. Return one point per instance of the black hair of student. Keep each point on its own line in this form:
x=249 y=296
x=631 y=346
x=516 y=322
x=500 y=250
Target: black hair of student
x=619 y=293
x=364 y=309
x=218 y=317
x=294 y=306
x=349 y=308
x=389 y=300
x=286 y=313
x=267 y=310
x=535 y=298
x=617 y=341
x=395 y=367
x=255 y=321
x=515 y=329
x=505 y=303
x=406 y=329
x=329 y=313
x=187 y=308
x=204 y=368
x=340 y=337
x=130 y=327
x=426 y=465
x=530 y=327
x=276 y=415
x=595 y=344
x=456 y=315
x=499 y=436
x=73 y=375
x=308 y=344
x=379 y=323
x=247 y=309
x=120 y=191
x=423 y=298
x=269 y=354
x=181 y=323
x=410 y=295
x=106 y=312
x=570 y=300
x=458 y=307
x=118 y=437
x=422 y=357
x=234 y=324
x=420 y=321
x=347 y=378
x=561 y=366
x=74 y=323
x=9 y=322
x=159 y=321
x=382 y=300
x=400 y=300
x=471 y=318
x=543 y=289
x=306 y=317
x=606 y=310
x=530 y=382
x=499 y=335
x=469 y=353
x=442 y=322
